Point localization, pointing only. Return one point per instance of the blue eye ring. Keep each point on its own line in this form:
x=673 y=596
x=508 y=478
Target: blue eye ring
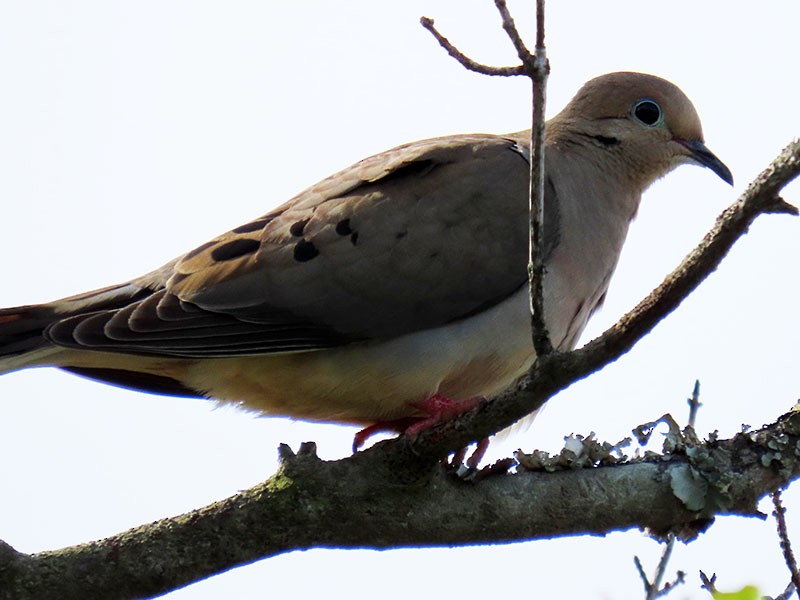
x=648 y=112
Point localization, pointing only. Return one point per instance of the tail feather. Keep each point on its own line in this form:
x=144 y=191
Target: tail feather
x=23 y=339
x=22 y=328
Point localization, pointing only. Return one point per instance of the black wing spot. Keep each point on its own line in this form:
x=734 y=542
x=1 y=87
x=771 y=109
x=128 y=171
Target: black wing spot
x=297 y=228
x=343 y=227
x=256 y=225
x=354 y=238
x=400 y=235
x=199 y=249
x=305 y=251
x=235 y=249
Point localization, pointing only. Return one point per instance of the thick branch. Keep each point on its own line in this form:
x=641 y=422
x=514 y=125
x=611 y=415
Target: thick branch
x=311 y=503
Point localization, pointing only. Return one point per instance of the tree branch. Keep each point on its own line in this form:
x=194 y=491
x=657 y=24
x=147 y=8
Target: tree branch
x=312 y=503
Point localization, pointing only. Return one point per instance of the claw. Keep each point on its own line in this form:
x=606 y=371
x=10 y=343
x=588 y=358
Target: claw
x=395 y=426
x=480 y=451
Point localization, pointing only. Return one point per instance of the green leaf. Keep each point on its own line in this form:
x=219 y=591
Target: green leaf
x=748 y=592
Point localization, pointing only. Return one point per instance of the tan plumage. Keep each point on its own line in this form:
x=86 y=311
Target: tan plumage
x=398 y=278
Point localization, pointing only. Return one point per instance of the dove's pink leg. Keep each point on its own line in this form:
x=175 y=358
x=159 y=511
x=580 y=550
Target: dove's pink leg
x=438 y=408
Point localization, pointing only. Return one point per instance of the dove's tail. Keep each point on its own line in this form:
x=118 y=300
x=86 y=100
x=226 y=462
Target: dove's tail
x=25 y=342
x=22 y=339
x=23 y=329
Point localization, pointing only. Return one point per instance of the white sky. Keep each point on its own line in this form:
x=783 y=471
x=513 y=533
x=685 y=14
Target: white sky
x=131 y=132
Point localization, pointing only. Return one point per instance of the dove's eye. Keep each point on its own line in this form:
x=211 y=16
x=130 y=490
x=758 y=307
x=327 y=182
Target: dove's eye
x=648 y=112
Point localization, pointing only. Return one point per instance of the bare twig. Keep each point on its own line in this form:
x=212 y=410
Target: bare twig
x=464 y=60
x=513 y=34
x=539 y=26
x=658 y=576
x=784 y=595
x=654 y=590
x=694 y=403
x=708 y=584
x=783 y=534
x=537 y=67
x=680 y=577
x=538 y=70
x=643 y=576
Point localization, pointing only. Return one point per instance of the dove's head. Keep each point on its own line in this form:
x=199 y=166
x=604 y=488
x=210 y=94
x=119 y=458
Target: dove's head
x=646 y=123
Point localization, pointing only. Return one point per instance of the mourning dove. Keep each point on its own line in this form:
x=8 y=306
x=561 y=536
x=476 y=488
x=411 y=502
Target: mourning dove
x=398 y=280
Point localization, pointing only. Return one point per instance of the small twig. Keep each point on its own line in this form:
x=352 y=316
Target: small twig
x=654 y=590
x=708 y=584
x=539 y=69
x=513 y=34
x=784 y=595
x=464 y=60
x=642 y=574
x=783 y=534
x=694 y=403
x=539 y=25
x=658 y=576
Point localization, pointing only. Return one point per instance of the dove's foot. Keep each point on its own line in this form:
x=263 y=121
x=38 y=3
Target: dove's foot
x=441 y=408
x=395 y=426
x=475 y=458
x=438 y=408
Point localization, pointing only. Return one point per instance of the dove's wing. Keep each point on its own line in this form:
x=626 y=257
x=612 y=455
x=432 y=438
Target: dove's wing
x=410 y=239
